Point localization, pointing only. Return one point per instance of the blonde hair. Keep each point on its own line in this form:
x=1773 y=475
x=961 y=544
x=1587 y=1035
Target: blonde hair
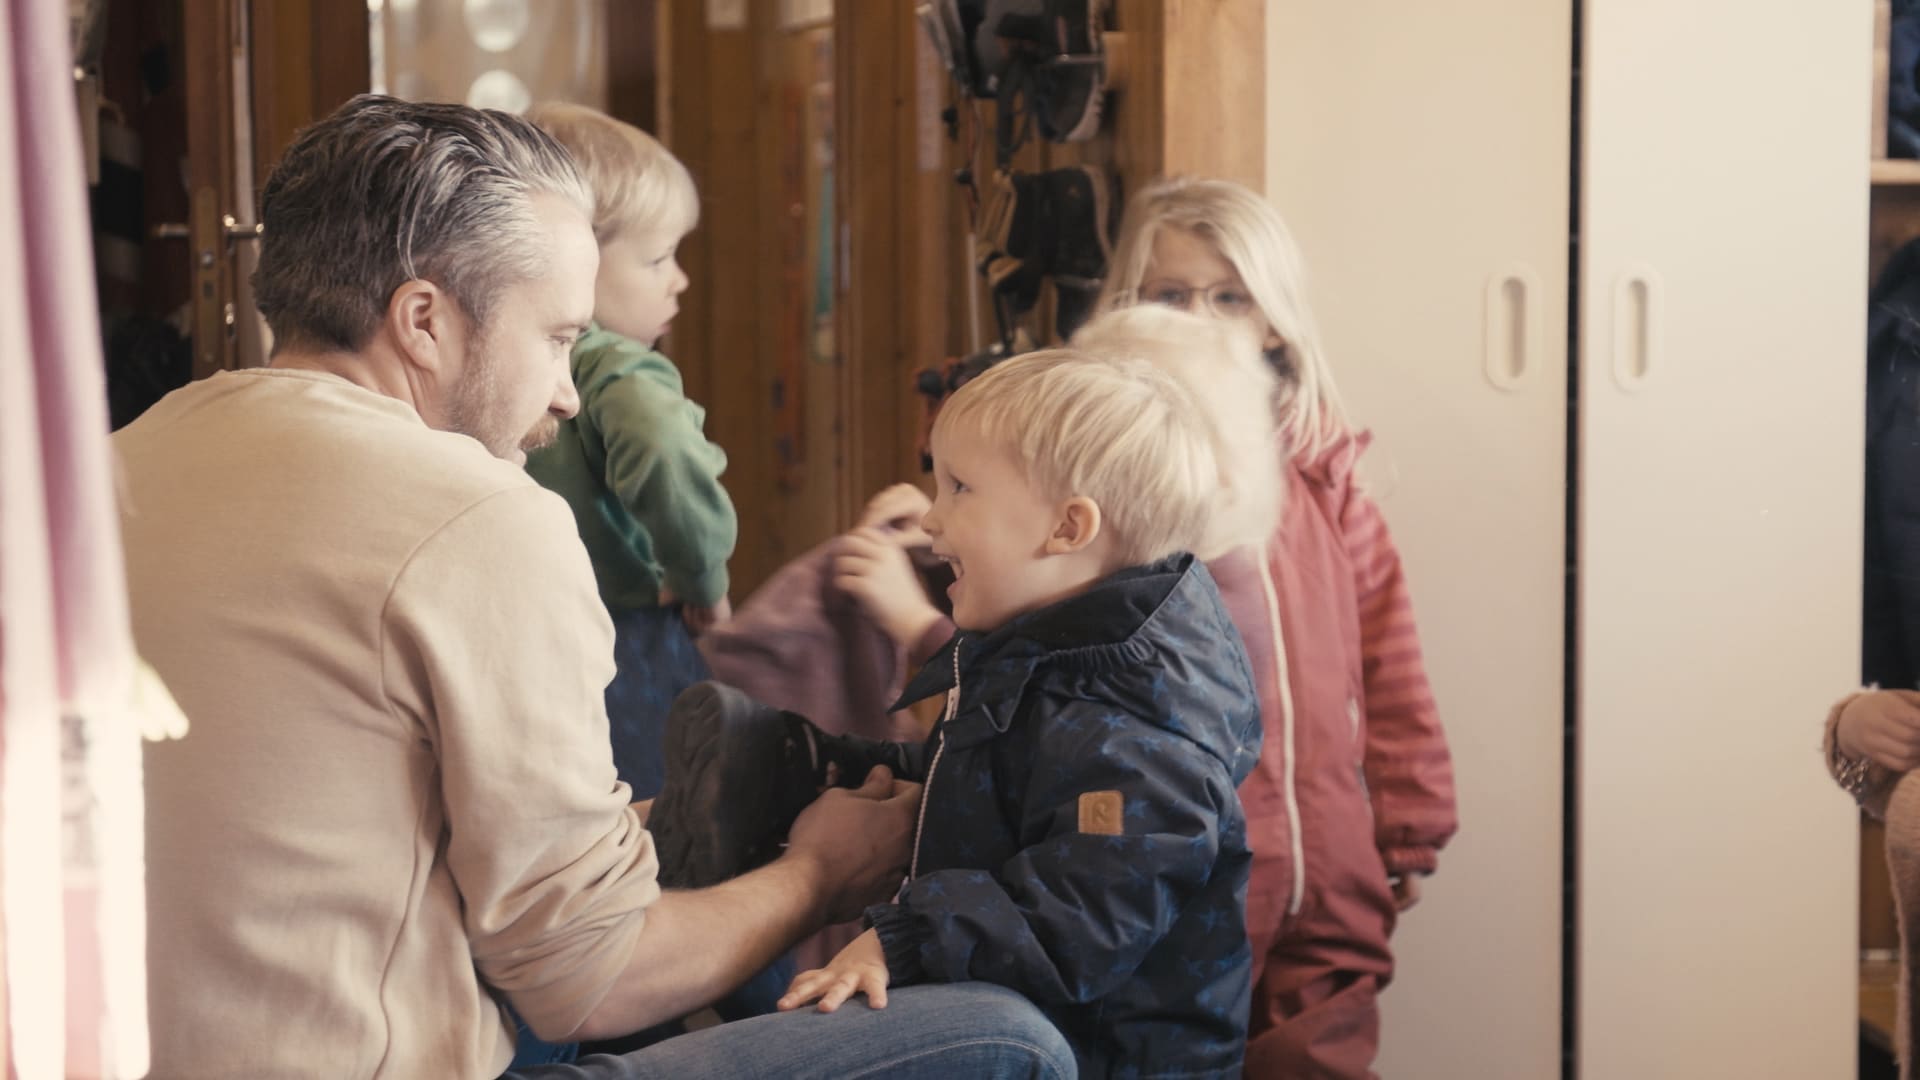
x=637 y=183
x=1248 y=233
x=1119 y=431
x=1221 y=365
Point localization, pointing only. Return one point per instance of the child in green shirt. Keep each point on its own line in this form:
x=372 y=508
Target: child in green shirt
x=641 y=476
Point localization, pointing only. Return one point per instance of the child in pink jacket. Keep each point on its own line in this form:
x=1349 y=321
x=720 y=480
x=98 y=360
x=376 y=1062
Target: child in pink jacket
x=1353 y=796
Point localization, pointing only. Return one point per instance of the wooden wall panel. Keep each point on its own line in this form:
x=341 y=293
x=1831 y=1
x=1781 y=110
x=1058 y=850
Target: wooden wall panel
x=712 y=104
x=801 y=384
x=634 y=63
x=736 y=103
x=309 y=57
x=686 y=106
x=875 y=144
x=1195 y=94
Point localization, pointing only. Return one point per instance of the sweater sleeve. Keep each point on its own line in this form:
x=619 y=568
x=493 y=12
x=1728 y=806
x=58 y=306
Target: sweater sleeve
x=496 y=645
x=663 y=469
x=1071 y=916
x=1881 y=781
x=1408 y=768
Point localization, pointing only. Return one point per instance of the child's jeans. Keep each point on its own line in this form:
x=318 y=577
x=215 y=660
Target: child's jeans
x=655 y=658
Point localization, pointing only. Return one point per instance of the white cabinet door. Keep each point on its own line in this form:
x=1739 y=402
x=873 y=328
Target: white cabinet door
x=1420 y=153
x=1722 y=305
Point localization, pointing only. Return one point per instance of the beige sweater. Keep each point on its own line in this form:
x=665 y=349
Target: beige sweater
x=397 y=790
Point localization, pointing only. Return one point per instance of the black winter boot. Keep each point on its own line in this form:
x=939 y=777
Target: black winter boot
x=737 y=774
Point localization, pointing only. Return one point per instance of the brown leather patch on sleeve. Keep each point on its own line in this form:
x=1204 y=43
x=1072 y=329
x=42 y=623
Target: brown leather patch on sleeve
x=1101 y=813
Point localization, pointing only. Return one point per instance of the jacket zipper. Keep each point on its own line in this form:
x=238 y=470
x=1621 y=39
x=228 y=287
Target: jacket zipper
x=1294 y=839
x=939 y=747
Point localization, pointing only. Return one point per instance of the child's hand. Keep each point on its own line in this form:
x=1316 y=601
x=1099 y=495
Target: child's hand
x=898 y=510
x=874 y=570
x=702 y=619
x=1406 y=891
x=860 y=968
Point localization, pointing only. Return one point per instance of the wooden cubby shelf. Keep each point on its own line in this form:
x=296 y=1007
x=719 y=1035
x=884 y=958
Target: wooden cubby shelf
x=1895 y=171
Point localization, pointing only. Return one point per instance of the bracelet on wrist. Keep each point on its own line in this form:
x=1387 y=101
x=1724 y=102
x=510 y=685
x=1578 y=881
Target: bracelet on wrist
x=1853 y=774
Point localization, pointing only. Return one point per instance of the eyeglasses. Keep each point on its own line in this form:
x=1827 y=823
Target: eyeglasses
x=1227 y=301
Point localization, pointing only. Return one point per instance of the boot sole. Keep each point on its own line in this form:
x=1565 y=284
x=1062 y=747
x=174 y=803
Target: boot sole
x=1089 y=123
x=718 y=813
x=1102 y=206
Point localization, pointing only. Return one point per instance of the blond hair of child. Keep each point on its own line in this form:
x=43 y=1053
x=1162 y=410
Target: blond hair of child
x=636 y=182
x=1116 y=429
x=1248 y=233
x=1221 y=366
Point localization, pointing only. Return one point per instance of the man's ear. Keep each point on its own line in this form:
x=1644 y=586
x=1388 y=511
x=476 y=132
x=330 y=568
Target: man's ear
x=423 y=322
x=1076 y=526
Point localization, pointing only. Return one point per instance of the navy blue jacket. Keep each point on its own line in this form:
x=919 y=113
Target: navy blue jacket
x=1081 y=839
x=1890 y=608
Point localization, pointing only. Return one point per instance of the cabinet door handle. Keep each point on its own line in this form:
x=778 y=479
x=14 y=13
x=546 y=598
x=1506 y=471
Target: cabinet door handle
x=1512 y=337
x=1636 y=327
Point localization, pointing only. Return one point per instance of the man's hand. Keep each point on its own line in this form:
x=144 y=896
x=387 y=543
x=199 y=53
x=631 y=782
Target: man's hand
x=898 y=511
x=861 y=968
x=875 y=571
x=857 y=842
x=1884 y=727
x=847 y=850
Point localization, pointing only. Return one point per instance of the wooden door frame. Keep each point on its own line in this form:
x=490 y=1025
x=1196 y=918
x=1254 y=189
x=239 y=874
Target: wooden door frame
x=214 y=30
x=312 y=55
x=256 y=72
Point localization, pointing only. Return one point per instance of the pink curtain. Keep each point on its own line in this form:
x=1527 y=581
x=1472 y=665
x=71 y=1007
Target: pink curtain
x=71 y=909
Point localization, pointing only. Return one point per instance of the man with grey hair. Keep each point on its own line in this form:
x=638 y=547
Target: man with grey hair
x=396 y=813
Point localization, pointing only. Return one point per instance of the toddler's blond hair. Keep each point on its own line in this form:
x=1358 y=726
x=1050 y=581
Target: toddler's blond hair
x=1221 y=365
x=1119 y=431
x=637 y=183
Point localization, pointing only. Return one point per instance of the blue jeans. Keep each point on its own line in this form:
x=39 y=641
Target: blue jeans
x=655 y=658
x=940 y=1030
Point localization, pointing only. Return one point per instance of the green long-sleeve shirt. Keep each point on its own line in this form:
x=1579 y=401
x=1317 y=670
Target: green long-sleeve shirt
x=641 y=477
